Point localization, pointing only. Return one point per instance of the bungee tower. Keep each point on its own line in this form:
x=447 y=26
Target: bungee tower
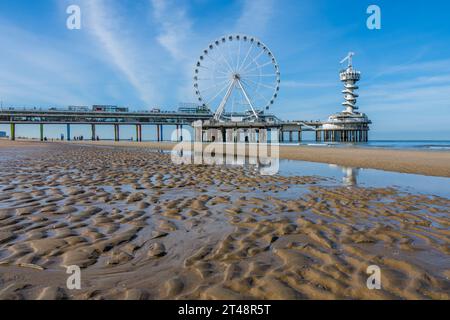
x=348 y=125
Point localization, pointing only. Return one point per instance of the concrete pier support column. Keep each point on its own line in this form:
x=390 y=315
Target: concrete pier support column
x=158 y=133
x=223 y=134
x=116 y=132
x=138 y=133
x=212 y=135
x=279 y=134
x=68 y=132
x=179 y=132
x=13 y=132
x=299 y=135
x=262 y=136
x=252 y=135
x=162 y=133
x=318 y=136
x=94 y=136
x=228 y=135
x=41 y=131
x=198 y=134
x=291 y=136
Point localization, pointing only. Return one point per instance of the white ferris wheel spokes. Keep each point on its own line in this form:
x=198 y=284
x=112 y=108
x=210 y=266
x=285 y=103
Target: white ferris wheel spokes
x=238 y=76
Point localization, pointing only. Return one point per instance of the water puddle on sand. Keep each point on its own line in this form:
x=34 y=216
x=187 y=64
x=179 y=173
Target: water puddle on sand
x=335 y=175
x=411 y=183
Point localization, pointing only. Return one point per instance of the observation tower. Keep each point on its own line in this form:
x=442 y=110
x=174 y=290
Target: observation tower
x=348 y=125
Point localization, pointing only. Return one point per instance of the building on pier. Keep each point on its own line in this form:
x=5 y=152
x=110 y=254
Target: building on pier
x=348 y=125
x=266 y=129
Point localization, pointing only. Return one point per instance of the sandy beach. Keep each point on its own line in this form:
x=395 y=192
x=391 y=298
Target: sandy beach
x=141 y=227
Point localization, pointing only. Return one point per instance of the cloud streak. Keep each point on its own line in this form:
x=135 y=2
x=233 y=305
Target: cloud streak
x=113 y=36
x=51 y=75
x=255 y=16
x=175 y=27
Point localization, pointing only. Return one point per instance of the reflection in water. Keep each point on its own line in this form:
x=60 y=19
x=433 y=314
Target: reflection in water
x=351 y=176
x=265 y=165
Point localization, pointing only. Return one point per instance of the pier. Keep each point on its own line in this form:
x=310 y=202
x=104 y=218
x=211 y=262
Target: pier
x=93 y=118
x=252 y=126
x=258 y=131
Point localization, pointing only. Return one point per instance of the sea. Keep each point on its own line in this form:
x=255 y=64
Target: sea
x=386 y=144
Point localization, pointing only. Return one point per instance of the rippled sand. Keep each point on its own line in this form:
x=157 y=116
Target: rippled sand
x=143 y=228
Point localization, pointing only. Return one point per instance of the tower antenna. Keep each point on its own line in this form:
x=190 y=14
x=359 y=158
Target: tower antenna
x=348 y=58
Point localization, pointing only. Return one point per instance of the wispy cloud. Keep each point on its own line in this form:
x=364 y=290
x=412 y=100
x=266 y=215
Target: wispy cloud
x=50 y=75
x=112 y=33
x=174 y=27
x=307 y=84
x=415 y=67
x=255 y=16
x=176 y=36
x=417 y=86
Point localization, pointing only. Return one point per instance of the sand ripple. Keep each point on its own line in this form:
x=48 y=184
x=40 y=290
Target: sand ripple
x=142 y=228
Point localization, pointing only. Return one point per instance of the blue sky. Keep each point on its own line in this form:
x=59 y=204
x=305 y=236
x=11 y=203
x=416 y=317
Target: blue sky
x=141 y=54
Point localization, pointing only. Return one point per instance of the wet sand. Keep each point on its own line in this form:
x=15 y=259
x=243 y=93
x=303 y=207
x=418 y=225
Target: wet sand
x=431 y=163
x=143 y=228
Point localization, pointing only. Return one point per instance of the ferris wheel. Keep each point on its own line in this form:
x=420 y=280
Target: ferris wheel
x=238 y=76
